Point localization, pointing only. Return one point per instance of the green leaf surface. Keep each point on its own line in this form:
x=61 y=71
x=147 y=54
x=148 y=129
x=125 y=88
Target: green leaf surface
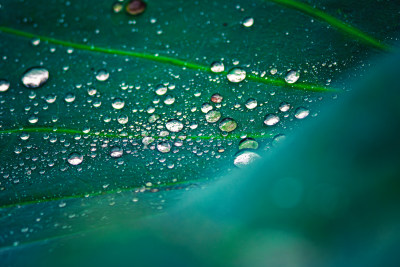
x=173 y=43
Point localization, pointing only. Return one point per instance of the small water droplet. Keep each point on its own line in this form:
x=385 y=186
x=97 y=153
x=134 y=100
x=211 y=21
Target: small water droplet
x=24 y=136
x=227 y=125
x=69 y=98
x=292 y=76
x=213 y=116
x=116 y=152
x=174 y=126
x=271 y=119
x=33 y=119
x=147 y=140
x=248 y=22
x=161 y=89
x=169 y=100
x=236 y=75
x=244 y=158
x=102 y=75
x=216 y=98
x=164 y=147
x=206 y=107
x=51 y=98
x=117 y=7
x=118 y=103
x=92 y=91
x=35 y=41
x=284 y=107
x=251 y=103
x=75 y=158
x=301 y=113
x=35 y=77
x=217 y=67
x=4 y=85
x=122 y=119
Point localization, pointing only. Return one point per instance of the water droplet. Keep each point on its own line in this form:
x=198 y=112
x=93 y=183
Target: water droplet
x=216 y=98
x=122 y=119
x=301 y=113
x=217 y=67
x=273 y=71
x=206 y=108
x=117 y=7
x=35 y=77
x=118 y=103
x=245 y=157
x=248 y=143
x=147 y=140
x=164 y=147
x=236 y=75
x=75 y=158
x=91 y=91
x=33 y=119
x=271 y=119
x=51 y=98
x=69 y=98
x=213 y=116
x=161 y=89
x=279 y=138
x=153 y=118
x=135 y=7
x=102 y=75
x=24 y=136
x=169 y=100
x=292 y=76
x=228 y=125
x=174 y=126
x=35 y=41
x=116 y=152
x=284 y=107
x=4 y=85
x=248 y=22
x=251 y=103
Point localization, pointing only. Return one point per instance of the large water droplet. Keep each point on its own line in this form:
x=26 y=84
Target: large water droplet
x=116 y=152
x=206 y=108
x=301 y=113
x=75 y=158
x=245 y=157
x=161 y=89
x=102 y=75
x=122 y=119
x=284 y=107
x=217 y=67
x=236 y=75
x=164 y=147
x=216 y=98
x=271 y=119
x=228 y=125
x=4 y=85
x=248 y=143
x=174 y=126
x=213 y=116
x=248 y=22
x=292 y=76
x=169 y=100
x=35 y=77
x=69 y=98
x=118 y=103
x=251 y=103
